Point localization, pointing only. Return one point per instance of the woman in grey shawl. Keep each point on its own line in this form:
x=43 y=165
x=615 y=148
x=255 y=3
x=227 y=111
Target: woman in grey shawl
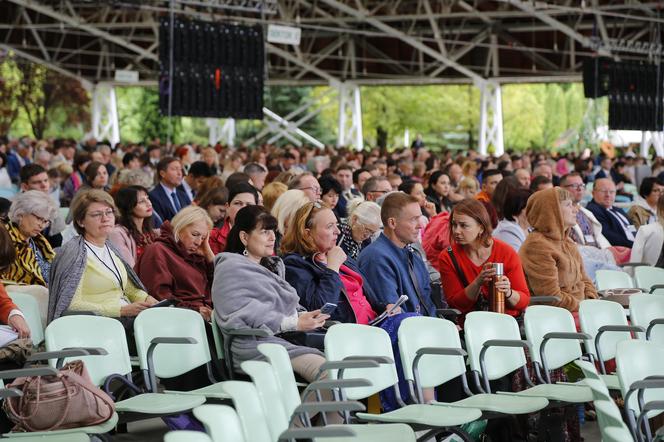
x=249 y=291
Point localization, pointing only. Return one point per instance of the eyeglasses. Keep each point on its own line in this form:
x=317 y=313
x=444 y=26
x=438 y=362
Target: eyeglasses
x=312 y=205
x=574 y=186
x=367 y=232
x=42 y=221
x=105 y=213
x=315 y=189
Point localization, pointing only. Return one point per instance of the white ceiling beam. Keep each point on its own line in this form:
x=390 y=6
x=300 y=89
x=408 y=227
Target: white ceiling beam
x=79 y=23
x=52 y=66
x=405 y=38
x=272 y=49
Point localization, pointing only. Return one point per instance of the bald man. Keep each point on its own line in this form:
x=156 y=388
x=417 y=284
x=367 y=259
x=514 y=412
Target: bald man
x=616 y=227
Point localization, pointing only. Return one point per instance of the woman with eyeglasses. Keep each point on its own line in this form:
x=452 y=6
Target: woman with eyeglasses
x=88 y=273
x=30 y=213
x=320 y=270
x=134 y=230
x=362 y=224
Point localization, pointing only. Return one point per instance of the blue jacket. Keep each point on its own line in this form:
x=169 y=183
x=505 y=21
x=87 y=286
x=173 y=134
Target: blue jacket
x=163 y=204
x=316 y=285
x=611 y=227
x=385 y=267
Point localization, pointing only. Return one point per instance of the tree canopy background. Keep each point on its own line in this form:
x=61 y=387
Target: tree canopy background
x=40 y=103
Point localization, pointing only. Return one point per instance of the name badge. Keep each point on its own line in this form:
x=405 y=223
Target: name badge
x=589 y=239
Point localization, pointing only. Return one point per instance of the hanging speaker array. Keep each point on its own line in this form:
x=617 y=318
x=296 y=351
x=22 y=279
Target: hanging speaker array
x=634 y=90
x=217 y=69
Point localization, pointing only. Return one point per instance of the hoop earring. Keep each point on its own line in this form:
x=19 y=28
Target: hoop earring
x=245 y=253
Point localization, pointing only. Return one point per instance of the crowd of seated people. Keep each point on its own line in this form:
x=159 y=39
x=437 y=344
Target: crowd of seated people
x=275 y=233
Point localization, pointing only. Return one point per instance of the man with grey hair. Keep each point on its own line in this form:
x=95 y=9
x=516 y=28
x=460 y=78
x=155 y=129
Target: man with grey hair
x=308 y=184
x=375 y=187
x=257 y=173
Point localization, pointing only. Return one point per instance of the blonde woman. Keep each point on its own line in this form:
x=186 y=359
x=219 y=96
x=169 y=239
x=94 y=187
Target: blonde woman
x=178 y=265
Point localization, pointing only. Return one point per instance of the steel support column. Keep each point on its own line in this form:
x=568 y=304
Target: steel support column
x=655 y=139
x=350 y=116
x=491 y=118
x=105 y=125
x=221 y=133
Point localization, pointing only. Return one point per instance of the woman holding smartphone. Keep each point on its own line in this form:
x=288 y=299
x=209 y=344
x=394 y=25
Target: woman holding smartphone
x=321 y=272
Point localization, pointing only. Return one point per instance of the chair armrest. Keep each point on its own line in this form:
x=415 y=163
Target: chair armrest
x=340 y=365
x=66 y=353
x=25 y=372
x=332 y=406
x=329 y=384
x=247 y=332
x=534 y=300
x=441 y=351
x=378 y=359
x=620 y=328
x=10 y=392
x=150 y=354
x=314 y=433
x=655 y=287
x=506 y=343
x=558 y=335
x=647 y=383
x=653 y=323
x=653 y=405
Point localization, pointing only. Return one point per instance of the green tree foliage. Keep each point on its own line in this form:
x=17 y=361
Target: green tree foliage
x=9 y=82
x=140 y=119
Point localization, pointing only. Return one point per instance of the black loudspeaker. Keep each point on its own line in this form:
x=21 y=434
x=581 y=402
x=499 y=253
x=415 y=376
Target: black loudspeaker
x=217 y=69
x=596 y=77
x=635 y=96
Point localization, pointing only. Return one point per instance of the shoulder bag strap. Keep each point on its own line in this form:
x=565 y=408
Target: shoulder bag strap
x=455 y=263
x=413 y=278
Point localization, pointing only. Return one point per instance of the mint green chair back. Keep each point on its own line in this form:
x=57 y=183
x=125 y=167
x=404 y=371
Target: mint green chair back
x=613 y=279
x=542 y=319
x=247 y=404
x=186 y=436
x=262 y=375
x=418 y=332
x=594 y=313
x=64 y=212
x=92 y=331
x=171 y=360
x=221 y=423
x=645 y=308
x=345 y=340
x=646 y=277
x=277 y=356
x=635 y=361
x=484 y=326
x=30 y=309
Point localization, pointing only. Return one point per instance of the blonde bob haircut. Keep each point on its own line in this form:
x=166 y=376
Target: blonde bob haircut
x=188 y=216
x=83 y=200
x=296 y=239
x=285 y=207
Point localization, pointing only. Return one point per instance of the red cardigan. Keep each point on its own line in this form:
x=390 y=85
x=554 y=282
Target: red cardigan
x=454 y=288
x=6 y=305
x=167 y=271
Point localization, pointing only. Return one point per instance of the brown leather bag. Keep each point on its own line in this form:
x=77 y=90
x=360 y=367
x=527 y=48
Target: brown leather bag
x=66 y=400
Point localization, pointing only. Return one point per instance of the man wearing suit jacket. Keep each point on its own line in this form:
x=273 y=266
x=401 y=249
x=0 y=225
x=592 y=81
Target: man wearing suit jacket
x=615 y=225
x=167 y=197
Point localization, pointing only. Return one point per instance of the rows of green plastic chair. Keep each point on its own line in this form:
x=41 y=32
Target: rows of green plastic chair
x=647 y=278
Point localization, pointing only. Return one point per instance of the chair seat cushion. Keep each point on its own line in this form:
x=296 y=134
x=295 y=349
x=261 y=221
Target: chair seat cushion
x=427 y=415
x=502 y=403
x=159 y=403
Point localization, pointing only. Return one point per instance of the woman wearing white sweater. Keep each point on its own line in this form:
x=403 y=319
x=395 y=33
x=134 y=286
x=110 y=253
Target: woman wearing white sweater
x=649 y=238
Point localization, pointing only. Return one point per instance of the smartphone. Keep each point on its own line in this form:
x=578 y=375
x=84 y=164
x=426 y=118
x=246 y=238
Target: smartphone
x=164 y=303
x=328 y=308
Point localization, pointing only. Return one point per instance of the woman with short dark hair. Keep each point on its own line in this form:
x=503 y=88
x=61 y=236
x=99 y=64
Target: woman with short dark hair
x=513 y=227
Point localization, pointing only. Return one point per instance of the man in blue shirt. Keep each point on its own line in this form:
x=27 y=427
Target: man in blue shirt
x=390 y=266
